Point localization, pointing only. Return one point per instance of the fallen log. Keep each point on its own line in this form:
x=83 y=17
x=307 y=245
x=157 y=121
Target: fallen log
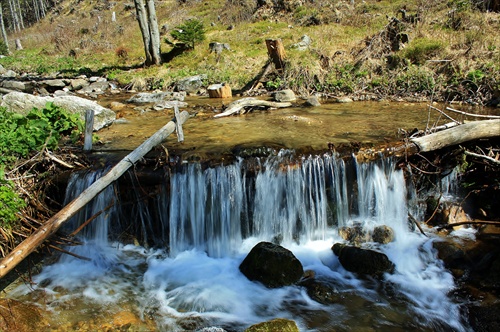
x=53 y=224
x=240 y=105
x=462 y=133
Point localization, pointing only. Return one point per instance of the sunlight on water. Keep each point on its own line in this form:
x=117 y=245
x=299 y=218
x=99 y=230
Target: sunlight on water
x=215 y=216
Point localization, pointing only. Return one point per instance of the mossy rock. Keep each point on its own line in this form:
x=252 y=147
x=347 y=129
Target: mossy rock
x=275 y=325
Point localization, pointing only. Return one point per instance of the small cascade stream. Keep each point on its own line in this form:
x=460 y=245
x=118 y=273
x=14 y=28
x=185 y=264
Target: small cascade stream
x=199 y=227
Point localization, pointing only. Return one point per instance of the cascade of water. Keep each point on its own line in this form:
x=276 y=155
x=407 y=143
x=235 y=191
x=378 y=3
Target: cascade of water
x=382 y=195
x=205 y=208
x=210 y=219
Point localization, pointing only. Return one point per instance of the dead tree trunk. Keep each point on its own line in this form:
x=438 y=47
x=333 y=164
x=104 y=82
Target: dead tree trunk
x=53 y=224
x=146 y=16
x=276 y=52
x=457 y=135
x=250 y=102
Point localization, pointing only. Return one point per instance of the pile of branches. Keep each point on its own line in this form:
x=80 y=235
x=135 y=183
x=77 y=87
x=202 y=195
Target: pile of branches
x=36 y=182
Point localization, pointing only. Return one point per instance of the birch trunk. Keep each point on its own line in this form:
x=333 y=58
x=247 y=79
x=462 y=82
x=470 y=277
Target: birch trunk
x=154 y=32
x=4 y=33
x=143 y=25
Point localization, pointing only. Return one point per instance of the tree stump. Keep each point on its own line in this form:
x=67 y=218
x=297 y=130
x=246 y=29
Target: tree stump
x=219 y=91
x=276 y=52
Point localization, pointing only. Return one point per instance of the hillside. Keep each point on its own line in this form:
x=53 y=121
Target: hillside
x=445 y=50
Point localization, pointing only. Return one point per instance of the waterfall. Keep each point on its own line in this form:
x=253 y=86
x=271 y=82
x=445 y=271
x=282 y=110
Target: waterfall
x=199 y=223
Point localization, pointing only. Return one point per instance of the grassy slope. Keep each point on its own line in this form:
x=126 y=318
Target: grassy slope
x=340 y=60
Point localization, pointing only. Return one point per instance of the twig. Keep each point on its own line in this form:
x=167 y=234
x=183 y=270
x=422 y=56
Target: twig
x=69 y=253
x=477 y=155
x=472 y=222
x=57 y=160
x=412 y=219
x=435 y=210
x=473 y=115
x=446 y=115
x=91 y=218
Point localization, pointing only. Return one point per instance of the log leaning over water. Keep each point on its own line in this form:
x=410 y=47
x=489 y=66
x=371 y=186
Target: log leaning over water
x=463 y=133
x=53 y=224
x=239 y=106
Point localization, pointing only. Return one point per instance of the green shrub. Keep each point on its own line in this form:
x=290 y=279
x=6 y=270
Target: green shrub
x=4 y=50
x=422 y=49
x=190 y=33
x=19 y=135
x=10 y=202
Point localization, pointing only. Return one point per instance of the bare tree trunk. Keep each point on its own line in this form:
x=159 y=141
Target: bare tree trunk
x=155 y=32
x=146 y=15
x=276 y=52
x=143 y=25
x=19 y=14
x=15 y=23
x=4 y=33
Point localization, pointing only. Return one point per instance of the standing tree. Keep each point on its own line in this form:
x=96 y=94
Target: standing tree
x=146 y=15
x=189 y=33
x=5 y=50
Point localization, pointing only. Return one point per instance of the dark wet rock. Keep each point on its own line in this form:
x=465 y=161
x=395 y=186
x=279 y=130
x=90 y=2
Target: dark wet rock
x=285 y=95
x=313 y=101
x=485 y=317
x=272 y=265
x=355 y=234
x=383 y=234
x=320 y=291
x=20 y=317
x=452 y=255
x=190 y=84
x=363 y=261
x=275 y=325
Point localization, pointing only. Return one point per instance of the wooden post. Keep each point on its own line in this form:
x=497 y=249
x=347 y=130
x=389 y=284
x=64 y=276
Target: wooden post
x=89 y=129
x=52 y=225
x=178 y=124
x=276 y=52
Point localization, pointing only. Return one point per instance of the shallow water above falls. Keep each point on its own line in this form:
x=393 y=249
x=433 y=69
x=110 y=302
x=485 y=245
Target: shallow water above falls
x=299 y=128
x=201 y=223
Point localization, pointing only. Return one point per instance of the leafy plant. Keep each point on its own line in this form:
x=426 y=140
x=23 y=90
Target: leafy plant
x=19 y=135
x=10 y=202
x=189 y=33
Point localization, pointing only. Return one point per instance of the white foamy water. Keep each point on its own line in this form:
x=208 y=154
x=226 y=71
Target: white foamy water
x=211 y=218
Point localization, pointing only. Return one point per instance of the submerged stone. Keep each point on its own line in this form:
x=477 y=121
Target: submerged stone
x=275 y=325
x=272 y=265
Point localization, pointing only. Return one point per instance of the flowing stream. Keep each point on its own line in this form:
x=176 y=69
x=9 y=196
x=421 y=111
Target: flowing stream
x=180 y=271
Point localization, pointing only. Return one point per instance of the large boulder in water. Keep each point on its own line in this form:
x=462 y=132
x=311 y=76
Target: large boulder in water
x=275 y=325
x=363 y=261
x=272 y=265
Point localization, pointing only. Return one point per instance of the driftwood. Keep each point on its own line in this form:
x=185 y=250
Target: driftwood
x=240 y=105
x=53 y=224
x=457 y=135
